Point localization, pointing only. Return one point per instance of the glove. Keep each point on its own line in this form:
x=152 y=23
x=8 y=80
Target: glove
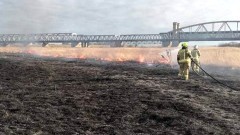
x=191 y=59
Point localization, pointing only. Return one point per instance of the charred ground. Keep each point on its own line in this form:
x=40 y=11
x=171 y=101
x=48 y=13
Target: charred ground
x=57 y=96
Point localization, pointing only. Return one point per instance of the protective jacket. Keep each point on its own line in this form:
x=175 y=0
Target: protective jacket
x=195 y=54
x=184 y=56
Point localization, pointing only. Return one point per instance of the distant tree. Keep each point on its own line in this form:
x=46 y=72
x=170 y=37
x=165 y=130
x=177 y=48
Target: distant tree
x=230 y=44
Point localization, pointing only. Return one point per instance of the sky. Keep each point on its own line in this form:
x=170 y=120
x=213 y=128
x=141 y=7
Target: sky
x=110 y=16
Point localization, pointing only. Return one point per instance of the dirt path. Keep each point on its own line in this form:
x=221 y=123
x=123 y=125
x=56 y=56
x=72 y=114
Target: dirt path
x=54 y=96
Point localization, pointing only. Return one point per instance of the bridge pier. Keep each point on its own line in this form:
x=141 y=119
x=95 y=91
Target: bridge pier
x=4 y=44
x=175 y=43
x=44 y=44
x=117 y=44
x=74 y=44
x=29 y=44
x=166 y=43
x=84 y=44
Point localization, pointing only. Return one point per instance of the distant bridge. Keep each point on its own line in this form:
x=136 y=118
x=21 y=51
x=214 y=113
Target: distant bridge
x=210 y=31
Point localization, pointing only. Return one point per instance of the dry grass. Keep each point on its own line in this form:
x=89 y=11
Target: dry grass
x=54 y=96
x=218 y=56
x=221 y=56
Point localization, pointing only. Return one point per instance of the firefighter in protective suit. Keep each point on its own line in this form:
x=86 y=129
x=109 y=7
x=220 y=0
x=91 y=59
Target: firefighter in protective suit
x=196 y=55
x=184 y=61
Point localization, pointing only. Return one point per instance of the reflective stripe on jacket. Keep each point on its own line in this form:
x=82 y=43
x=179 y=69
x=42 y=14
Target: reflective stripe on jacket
x=184 y=56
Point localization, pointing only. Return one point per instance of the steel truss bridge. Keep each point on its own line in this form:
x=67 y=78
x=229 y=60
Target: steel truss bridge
x=209 y=31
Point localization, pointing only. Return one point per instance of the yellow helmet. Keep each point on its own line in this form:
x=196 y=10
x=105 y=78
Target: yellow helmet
x=184 y=44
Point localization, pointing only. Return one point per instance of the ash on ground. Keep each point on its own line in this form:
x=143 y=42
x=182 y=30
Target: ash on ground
x=55 y=96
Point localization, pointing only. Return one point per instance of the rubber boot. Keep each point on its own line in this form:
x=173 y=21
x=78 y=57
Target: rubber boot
x=186 y=77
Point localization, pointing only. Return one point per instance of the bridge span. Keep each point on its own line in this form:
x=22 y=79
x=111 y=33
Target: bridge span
x=209 y=31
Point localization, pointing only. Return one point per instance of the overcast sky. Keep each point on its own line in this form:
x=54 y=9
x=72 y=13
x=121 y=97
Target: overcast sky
x=110 y=16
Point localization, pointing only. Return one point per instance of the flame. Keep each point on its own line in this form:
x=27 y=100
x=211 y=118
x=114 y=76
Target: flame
x=82 y=57
x=141 y=59
x=141 y=55
x=120 y=59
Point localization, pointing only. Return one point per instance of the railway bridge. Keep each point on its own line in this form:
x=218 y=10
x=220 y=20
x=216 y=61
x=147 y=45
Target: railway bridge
x=208 y=31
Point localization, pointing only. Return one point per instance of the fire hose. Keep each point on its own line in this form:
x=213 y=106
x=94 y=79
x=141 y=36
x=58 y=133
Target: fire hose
x=197 y=72
x=212 y=76
x=205 y=73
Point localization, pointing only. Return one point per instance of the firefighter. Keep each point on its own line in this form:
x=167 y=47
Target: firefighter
x=184 y=60
x=196 y=55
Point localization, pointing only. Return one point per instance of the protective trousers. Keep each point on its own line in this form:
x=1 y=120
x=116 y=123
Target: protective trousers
x=184 y=70
x=196 y=64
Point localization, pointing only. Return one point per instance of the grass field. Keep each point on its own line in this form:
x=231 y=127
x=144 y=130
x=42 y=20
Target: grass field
x=217 y=56
x=45 y=96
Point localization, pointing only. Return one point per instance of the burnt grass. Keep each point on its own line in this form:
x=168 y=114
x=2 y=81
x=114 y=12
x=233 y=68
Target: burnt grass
x=44 y=96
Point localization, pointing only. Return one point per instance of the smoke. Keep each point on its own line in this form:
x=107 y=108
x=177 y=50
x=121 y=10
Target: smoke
x=171 y=55
x=228 y=72
x=216 y=61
